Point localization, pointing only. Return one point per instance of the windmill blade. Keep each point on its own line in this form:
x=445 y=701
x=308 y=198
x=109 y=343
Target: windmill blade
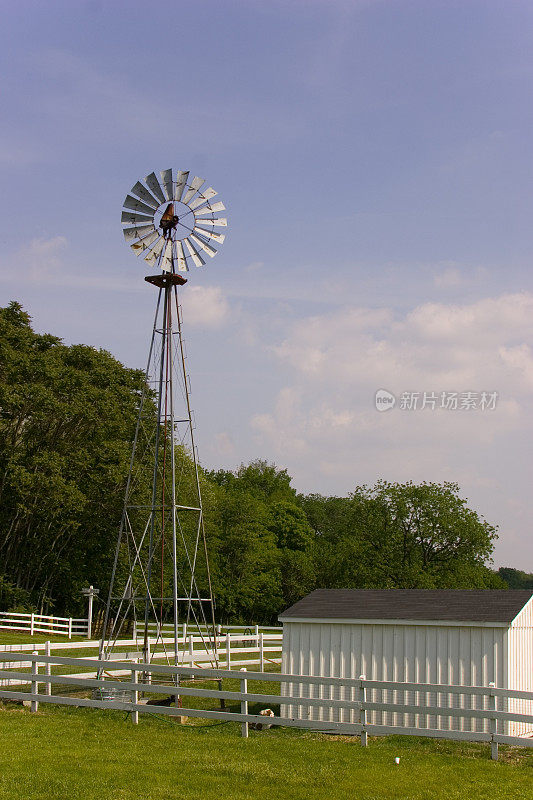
x=195 y=255
x=136 y=205
x=166 y=177
x=210 y=209
x=142 y=192
x=137 y=233
x=144 y=244
x=181 y=182
x=204 y=245
x=180 y=257
x=166 y=260
x=202 y=197
x=218 y=237
x=221 y=222
x=193 y=188
x=136 y=219
x=155 y=187
x=155 y=252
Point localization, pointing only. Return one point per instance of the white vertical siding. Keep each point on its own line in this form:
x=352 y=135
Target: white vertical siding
x=460 y=655
x=520 y=653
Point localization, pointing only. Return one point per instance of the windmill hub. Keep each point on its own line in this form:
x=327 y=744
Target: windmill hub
x=173 y=222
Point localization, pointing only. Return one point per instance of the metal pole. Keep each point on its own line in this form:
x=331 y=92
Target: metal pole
x=173 y=469
x=156 y=467
x=128 y=484
x=199 y=493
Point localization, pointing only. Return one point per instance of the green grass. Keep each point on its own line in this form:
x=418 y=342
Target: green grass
x=85 y=754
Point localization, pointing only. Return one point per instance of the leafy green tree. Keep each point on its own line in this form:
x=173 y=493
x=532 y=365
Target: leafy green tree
x=294 y=538
x=515 y=578
x=66 y=422
x=401 y=536
x=245 y=561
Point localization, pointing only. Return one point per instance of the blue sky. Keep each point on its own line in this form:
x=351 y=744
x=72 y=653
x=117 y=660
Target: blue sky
x=376 y=162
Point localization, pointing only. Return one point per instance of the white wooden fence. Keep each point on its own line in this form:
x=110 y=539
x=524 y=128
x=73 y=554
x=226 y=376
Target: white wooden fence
x=41 y=623
x=233 y=650
x=74 y=626
x=146 y=678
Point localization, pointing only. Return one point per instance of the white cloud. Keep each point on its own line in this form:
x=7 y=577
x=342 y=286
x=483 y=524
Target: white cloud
x=205 y=306
x=325 y=428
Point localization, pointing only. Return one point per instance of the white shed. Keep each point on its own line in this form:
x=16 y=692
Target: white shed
x=465 y=638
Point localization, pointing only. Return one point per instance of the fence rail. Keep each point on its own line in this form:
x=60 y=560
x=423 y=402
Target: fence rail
x=42 y=623
x=233 y=650
x=73 y=626
x=146 y=678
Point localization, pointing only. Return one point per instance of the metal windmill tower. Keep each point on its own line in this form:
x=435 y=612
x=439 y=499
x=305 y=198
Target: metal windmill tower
x=161 y=570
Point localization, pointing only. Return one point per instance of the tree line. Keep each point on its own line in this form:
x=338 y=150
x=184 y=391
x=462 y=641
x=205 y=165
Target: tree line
x=67 y=415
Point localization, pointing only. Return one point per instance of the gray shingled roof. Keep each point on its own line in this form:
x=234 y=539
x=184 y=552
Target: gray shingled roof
x=411 y=604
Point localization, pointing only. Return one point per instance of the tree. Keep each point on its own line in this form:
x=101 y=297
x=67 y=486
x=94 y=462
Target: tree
x=401 y=536
x=294 y=538
x=515 y=578
x=67 y=416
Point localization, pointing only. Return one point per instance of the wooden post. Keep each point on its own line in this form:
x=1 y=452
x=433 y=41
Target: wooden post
x=148 y=659
x=70 y=627
x=362 y=711
x=261 y=653
x=228 y=647
x=90 y=612
x=47 y=670
x=32 y=623
x=134 y=694
x=184 y=632
x=256 y=635
x=493 y=723
x=244 y=704
x=34 y=704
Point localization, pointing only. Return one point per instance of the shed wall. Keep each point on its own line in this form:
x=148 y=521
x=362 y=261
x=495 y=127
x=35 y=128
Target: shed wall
x=520 y=646
x=459 y=655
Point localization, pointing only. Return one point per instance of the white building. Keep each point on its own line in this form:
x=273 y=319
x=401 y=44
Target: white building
x=465 y=638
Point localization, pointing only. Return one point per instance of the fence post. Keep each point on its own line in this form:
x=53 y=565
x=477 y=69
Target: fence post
x=184 y=632
x=362 y=711
x=261 y=653
x=244 y=704
x=47 y=670
x=32 y=623
x=34 y=705
x=493 y=723
x=90 y=613
x=256 y=635
x=148 y=659
x=70 y=627
x=228 y=646
x=134 y=694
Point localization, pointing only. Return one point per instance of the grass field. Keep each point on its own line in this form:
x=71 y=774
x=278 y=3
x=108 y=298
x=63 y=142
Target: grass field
x=85 y=754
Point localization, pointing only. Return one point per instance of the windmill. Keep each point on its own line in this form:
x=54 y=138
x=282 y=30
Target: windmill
x=160 y=573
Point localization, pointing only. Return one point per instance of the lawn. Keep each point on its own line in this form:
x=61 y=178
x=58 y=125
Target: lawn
x=89 y=754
